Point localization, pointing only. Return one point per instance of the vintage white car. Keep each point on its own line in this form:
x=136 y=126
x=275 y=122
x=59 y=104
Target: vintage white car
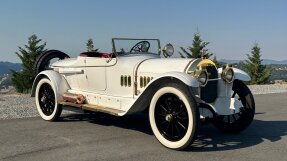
x=139 y=76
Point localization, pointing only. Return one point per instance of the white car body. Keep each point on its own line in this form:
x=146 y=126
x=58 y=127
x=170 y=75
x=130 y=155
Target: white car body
x=101 y=80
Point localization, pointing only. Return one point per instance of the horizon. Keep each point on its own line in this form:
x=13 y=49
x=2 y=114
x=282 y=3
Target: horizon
x=232 y=28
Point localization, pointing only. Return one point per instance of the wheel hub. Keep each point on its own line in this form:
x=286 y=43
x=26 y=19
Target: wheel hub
x=169 y=117
x=43 y=99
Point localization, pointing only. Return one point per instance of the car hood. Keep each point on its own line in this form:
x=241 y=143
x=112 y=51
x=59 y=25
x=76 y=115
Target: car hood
x=140 y=64
x=162 y=65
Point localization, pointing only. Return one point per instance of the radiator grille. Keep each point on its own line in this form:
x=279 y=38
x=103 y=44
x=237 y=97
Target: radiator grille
x=209 y=92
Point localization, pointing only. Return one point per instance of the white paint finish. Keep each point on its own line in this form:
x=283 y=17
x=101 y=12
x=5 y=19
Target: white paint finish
x=120 y=103
x=70 y=62
x=73 y=80
x=113 y=102
x=99 y=78
x=126 y=66
x=58 y=82
x=224 y=104
x=241 y=75
x=95 y=62
x=96 y=79
x=185 y=78
x=71 y=70
x=227 y=106
x=82 y=80
x=224 y=89
x=95 y=74
x=163 y=65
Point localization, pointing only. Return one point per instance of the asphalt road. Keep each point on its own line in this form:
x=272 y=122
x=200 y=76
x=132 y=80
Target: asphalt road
x=103 y=137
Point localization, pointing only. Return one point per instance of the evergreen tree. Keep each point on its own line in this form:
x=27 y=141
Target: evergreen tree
x=23 y=80
x=197 y=48
x=258 y=72
x=90 y=45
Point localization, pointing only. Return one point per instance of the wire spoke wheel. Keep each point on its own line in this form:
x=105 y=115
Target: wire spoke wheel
x=174 y=116
x=46 y=99
x=170 y=117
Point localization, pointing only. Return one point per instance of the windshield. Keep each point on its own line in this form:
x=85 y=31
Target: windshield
x=123 y=46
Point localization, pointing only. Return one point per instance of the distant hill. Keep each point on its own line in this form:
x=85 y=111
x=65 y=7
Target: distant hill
x=265 y=61
x=227 y=61
x=269 y=61
x=5 y=67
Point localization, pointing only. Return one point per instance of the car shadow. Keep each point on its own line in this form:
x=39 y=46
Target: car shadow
x=211 y=139
x=208 y=139
x=137 y=122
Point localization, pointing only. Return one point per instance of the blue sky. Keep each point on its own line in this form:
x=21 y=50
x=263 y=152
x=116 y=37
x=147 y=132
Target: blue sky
x=231 y=27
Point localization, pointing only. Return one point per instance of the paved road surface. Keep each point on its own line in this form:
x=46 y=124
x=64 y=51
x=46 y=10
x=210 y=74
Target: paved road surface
x=83 y=137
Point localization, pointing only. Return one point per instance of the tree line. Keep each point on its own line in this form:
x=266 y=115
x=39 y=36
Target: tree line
x=23 y=80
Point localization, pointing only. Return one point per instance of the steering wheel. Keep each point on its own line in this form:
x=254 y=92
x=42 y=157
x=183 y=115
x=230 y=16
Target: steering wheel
x=142 y=46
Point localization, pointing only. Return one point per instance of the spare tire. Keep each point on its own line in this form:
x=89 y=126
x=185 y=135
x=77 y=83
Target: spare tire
x=43 y=61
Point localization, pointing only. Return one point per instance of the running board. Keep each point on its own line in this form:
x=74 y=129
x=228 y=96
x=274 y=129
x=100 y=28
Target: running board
x=94 y=108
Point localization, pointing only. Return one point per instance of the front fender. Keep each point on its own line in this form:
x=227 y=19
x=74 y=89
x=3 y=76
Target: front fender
x=238 y=74
x=185 y=78
x=241 y=75
x=145 y=96
x=59 y=83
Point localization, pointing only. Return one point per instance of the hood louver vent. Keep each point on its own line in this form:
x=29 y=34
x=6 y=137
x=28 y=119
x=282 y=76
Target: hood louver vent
x=126 y=81
x=144 y=81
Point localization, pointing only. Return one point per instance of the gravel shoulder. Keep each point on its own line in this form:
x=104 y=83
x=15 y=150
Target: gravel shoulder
x=267 y=89
x=17 y=106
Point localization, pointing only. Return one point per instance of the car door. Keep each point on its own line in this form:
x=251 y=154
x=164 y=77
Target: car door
x=96 y=73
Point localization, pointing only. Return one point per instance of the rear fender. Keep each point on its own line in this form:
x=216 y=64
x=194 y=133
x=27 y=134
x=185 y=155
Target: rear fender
x=59 y=83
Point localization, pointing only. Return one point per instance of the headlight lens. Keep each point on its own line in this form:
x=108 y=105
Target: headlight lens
x=201 y=75
x=228 y=74
x=203 y=78
x=168 y=50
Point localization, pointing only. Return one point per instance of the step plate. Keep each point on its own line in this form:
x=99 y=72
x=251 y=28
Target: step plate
x=93 y=108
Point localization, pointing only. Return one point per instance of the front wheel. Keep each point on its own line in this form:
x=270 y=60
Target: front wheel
x=240 y=121
x=174 y=116
x=46 y=101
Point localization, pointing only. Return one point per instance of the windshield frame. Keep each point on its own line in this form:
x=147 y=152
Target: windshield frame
x=114 y=45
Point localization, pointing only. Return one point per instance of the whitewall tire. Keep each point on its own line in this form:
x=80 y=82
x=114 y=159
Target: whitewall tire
x=46 y=101
x=173 y=116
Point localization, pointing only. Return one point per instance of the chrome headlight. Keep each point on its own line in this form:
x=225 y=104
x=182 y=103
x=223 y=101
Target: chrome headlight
x=201 y=75
x=227 y=73
x=168 y=50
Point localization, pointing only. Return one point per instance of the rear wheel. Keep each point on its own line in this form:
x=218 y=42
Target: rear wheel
x=46 y=101
x=44 y=61
x=238 y=122
x=174 y=116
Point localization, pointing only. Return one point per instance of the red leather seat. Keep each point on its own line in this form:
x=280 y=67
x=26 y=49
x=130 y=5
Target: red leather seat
x=97 y=54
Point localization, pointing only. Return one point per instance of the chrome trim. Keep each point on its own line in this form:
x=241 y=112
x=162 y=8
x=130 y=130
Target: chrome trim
x=225 y=69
